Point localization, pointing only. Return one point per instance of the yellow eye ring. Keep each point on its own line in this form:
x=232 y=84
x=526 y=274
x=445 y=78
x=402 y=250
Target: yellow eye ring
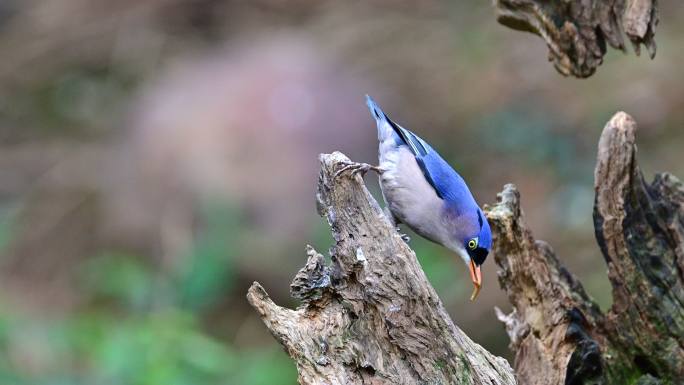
x=472 y=244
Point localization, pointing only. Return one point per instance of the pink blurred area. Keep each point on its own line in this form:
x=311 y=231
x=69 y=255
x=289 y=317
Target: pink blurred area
x=248 y=124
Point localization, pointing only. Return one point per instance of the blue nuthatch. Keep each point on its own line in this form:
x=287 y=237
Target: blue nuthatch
x=421 y=190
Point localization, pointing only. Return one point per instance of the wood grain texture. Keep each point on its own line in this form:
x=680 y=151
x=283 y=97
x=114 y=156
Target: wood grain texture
x=577 y=32
x=557 y=332
x=370 y=316
x=640 y=229
x=554 y=320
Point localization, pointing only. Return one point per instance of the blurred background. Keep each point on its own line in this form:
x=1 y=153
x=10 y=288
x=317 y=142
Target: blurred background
x=158 y=156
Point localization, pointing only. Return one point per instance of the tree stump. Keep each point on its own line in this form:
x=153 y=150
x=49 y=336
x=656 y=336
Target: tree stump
x=576 y=32
x=557 y=332
x=371 y=317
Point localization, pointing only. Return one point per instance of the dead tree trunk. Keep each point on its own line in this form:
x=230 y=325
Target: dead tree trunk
x=370 y=316
x=576 y=32
x=558 y=334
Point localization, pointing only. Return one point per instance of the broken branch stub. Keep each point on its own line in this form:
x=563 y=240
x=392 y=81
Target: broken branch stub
x=576 y=32
x=371 y=316
x=558 y=334
x=640 y=229
x=554 y=320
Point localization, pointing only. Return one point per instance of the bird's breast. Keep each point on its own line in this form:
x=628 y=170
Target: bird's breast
x=410 y=197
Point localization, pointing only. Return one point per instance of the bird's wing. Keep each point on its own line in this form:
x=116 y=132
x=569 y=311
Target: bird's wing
x=446 y=182
x=417 y=146
x=431 y=164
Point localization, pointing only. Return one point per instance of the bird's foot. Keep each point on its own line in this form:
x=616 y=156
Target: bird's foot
x=403 y=236
x=358 y=168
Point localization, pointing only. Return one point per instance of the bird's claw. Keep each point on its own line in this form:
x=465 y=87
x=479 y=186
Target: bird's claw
x=404 y=237
x=357 y=168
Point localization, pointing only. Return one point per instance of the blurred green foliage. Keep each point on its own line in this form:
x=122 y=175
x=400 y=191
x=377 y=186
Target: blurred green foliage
x=145 y=348
x=141 y=326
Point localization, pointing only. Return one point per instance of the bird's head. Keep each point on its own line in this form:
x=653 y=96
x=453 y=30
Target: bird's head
x=477 y=246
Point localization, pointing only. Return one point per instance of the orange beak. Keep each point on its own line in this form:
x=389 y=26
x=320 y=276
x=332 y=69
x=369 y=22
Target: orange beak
x=476 y=276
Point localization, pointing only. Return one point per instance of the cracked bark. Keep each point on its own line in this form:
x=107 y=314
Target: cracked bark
x=576 y=32
x=370 y=316
x=557 y=332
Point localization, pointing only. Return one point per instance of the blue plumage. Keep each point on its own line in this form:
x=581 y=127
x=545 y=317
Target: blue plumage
x=423 y=191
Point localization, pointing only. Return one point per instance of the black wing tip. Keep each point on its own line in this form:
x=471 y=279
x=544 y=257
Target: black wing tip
x=407 y=136
x=428 y=176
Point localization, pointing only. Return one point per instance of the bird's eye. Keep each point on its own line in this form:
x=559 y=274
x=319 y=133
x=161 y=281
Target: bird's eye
x=472 y=244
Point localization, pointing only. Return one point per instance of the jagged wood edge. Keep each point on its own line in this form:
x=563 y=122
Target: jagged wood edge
x=640 y=230
x=370 y=316
x=557 y=332
x=576 y=32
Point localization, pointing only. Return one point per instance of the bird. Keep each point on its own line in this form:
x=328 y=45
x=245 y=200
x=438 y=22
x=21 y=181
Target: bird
x=423 y=191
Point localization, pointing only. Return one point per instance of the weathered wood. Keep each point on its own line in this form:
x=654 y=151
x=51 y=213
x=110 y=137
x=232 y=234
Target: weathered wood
x=553 y=316
x=370 y=316
x=558 y=333
x=640 y=229
x=576 y=32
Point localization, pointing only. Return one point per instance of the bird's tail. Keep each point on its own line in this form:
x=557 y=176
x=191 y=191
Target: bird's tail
x=385 y=130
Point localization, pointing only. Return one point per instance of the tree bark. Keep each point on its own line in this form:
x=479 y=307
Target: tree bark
x=370 y=316
x=557 y=332
x=576 y=31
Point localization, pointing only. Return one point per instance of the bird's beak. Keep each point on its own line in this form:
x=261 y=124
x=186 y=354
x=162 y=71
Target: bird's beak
x=476 y=276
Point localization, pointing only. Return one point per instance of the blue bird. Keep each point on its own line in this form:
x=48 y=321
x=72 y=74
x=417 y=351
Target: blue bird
x=421 y=190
